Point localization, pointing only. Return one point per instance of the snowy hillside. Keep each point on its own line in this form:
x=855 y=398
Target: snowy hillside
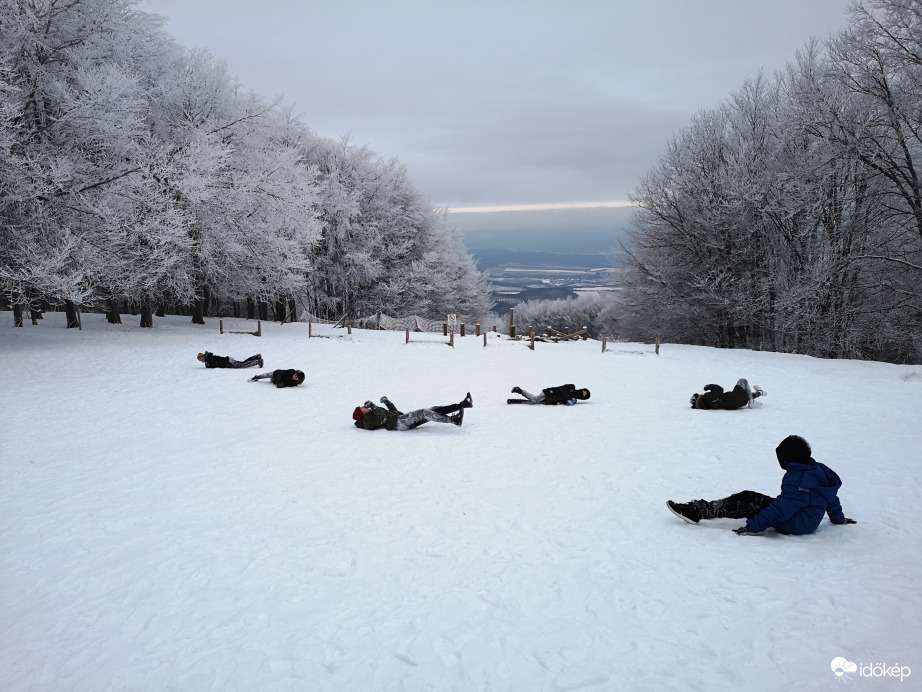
x=168 y=527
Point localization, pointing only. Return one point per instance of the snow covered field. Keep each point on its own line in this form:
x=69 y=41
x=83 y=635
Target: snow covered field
x=168 y=527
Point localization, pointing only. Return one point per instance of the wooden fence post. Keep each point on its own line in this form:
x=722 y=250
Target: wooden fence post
x=604 y=343
x=477 y=327
x=451 y=338
x=484 y=339
x=310 y=330
x=444 y=328
x=349 y=329
x=259 y=328
x=531 y=335
x=462 y=329
x=657 y=345
x=585 y=332
x=221 y=325
x=511 y=323
x=408 y=335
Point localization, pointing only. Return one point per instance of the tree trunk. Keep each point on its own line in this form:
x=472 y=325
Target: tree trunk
x=161 y=311
x=264 y=311
x=35 y=310
x=147 y=317
x=292 y=310
x=198 y=312
x=17 y=315
x=200 y=304
x=251 y=309
x=112 y=316
x=280 y=312
x=73 y=316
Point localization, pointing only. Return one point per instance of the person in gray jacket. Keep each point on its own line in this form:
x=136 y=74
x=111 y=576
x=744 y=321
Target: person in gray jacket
x=371 y=417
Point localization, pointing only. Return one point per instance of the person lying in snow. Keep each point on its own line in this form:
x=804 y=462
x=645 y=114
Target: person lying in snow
x=716 y=398
x=564 y=394
x=281 y=378
x=212 y=361
x=371 y=417
x=808 y=491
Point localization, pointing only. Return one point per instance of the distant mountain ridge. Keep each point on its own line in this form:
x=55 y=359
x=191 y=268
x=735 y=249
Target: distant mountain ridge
x=487 y=258
x=576 y=248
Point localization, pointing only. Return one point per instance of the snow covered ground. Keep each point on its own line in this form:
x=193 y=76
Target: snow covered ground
x=168 y=527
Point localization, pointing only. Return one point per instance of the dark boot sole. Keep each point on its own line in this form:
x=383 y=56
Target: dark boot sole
x=670 y=505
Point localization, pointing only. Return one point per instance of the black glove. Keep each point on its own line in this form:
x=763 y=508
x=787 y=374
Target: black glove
x=384 y=400
x=743 y=531
x=368 y=404
x=710 y=387
x=847 y=521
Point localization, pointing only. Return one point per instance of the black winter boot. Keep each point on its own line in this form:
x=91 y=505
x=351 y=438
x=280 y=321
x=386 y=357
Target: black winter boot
x=468 y=401
x=693 y=511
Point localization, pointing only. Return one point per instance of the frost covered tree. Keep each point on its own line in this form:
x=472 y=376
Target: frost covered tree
x=595 y=312
x=231 y=164
x=876 y=73
x=73 y=117
x=136 y=172
x=753 y=231
x=446 y=279
x=382 y=248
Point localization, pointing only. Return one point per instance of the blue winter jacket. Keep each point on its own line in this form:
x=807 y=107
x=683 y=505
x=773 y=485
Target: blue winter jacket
x=808 y=491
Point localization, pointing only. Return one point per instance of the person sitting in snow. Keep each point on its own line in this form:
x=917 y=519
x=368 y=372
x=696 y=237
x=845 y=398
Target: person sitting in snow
x=564 y=394
x=809 y=490
x=281 y=378
x=715 y=397
x=371 y=417
x=212 y=361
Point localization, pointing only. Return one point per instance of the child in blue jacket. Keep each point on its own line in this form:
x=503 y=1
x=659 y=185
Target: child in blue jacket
x=808 y=491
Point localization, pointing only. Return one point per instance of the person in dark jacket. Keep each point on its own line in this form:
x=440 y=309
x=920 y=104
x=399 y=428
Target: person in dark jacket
x=809 y=490
x=715 y=397
x=371 y=417
x=281 y=378
x=212 y=361
x=565 y=394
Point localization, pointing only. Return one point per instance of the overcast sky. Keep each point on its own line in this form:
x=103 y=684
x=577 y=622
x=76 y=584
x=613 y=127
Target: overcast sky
x=503 y=103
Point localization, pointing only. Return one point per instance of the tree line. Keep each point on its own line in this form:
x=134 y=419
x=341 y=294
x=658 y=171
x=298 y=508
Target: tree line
x=136 y=174
x=789 y=218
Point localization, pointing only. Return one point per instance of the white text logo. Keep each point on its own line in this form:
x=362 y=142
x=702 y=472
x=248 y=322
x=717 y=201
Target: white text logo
x=842 y=668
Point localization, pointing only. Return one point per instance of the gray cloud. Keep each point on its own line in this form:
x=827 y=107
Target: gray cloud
x=503 y=101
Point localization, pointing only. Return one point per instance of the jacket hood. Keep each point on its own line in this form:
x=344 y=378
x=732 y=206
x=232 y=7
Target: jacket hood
x=818 y=477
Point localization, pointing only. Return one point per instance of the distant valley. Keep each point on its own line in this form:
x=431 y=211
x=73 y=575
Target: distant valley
x=544 y=265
